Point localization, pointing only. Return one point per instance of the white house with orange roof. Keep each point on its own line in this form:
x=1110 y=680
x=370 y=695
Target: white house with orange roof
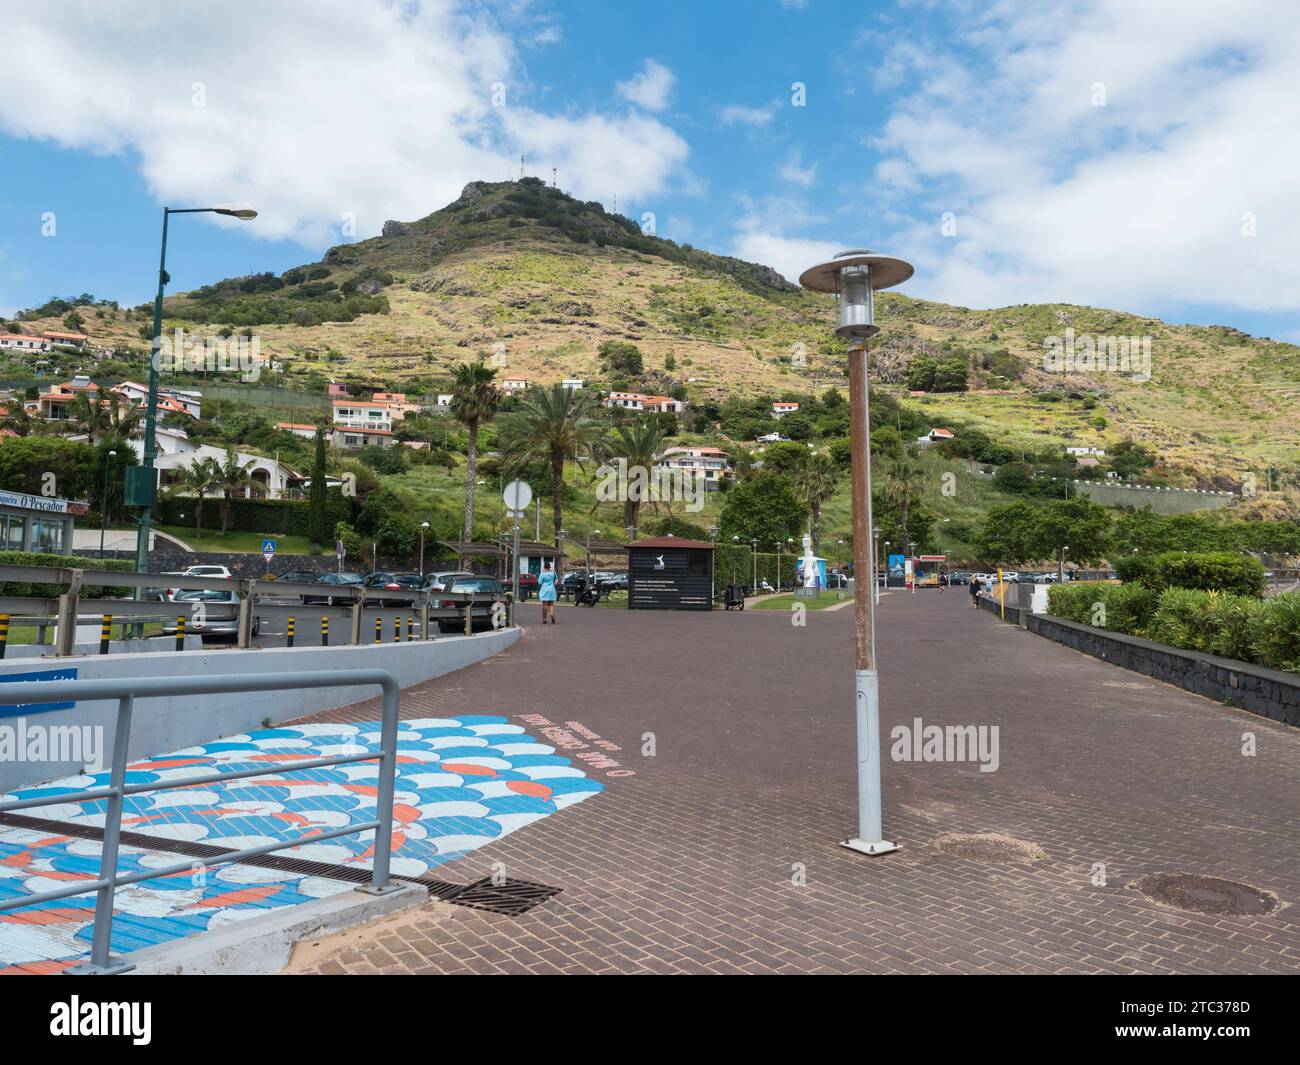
x=362 y=414
x=709 y=463
x=642 y=402
x=24 y=342
x=303 y=429
x=781 y=408
x=75 y=340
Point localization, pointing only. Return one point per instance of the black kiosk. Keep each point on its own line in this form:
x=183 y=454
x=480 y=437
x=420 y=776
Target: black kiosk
x=669 y=573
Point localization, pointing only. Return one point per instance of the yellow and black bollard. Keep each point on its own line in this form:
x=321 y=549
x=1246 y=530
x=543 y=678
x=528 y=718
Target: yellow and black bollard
x=410 y=627
x=180 y=632
x=397 y=629
x=289 y=643
x=105 y=624
x=379 y=630
x=324 y=631
x=4 y=633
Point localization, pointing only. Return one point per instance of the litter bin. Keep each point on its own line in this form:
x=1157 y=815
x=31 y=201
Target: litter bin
x=735 y=596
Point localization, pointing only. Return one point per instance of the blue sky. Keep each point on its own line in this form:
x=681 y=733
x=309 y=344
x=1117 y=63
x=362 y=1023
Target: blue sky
x=1141 y=157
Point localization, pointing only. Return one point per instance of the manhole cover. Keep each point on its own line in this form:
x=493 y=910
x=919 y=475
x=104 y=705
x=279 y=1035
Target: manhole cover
x=991 y=847
x=1206 y=894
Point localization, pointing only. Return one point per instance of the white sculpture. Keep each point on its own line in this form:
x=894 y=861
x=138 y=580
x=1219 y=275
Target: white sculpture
x=809 y=563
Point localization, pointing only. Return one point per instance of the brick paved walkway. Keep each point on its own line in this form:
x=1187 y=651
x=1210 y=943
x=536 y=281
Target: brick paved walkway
x=689 y=866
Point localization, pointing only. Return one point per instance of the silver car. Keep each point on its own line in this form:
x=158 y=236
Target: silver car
x=198 y=621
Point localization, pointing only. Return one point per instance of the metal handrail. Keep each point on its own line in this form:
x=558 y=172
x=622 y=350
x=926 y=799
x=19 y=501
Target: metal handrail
x=126 y=690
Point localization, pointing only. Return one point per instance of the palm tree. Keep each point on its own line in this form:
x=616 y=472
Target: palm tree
x=638 y=446
x=233 y=476
x=474 y=399
x=552 y=425
x=816 y=480
x=904 y=479
x=199 y=479
x=17 y=418
x=88 y=414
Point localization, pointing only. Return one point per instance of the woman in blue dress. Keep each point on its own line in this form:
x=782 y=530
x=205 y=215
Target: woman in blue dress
x=546 y=593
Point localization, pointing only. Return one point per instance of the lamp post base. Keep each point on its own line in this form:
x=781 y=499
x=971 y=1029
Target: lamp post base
x=872 y=847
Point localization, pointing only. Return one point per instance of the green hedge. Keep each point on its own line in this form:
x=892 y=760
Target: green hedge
x=1242 y=627
x=287 y=516
x=23 y=589
x=1208 y=571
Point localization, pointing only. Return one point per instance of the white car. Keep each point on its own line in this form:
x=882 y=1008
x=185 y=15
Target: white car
x=207 y=571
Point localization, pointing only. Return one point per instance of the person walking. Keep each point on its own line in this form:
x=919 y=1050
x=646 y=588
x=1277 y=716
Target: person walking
x=974 y=592
x=546 y=593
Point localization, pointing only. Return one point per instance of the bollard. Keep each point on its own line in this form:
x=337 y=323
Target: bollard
x=4 y=633
x=180 y=632
x=379 y=630
x=106 y=623
x=324 y=631
x=410 y=628
x=289 y=642
x=397 y=629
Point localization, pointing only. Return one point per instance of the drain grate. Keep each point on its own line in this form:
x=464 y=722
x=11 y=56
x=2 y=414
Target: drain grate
x=1206 y=894
x=510 y=897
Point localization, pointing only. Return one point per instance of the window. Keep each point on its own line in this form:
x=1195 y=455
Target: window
x=14 y=528
x=47 y=535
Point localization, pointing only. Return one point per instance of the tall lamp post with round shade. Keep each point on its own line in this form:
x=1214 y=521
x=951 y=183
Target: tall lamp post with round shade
x=142 y=480
x=853 y=276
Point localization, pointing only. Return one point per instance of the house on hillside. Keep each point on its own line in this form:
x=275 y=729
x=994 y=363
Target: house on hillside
x=56 y=404
x=189 y=400
x=271 y=479
x=398 y=405
x=642 y=402
x=780 y=410
x=708 y=463
x=303 y=429
x=23 y=342
x=573 y=384
x=361 y=414
x=934 y=436
x=355 y=437
x=514 y=384
x=1100 y=452
x=73 y=340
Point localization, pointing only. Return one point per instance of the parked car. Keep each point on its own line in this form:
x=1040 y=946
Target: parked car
x=297 y=576
x=207 y=571
x=395 y=582
x=480 y=613
x=331 y=582
x=836 y=579
x=197 y=619
x=436 y=582
x=571 y=581
x=527 y=586
x=615 y=581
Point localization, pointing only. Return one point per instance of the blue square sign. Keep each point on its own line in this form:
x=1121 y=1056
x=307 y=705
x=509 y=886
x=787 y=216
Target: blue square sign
x=268 y=547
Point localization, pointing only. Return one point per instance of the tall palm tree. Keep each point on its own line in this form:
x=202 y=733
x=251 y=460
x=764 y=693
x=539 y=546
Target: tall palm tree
x=552 y=425
x=89 y=415
x=200 y=479
x=637 y=445
x=904 y=480
x=233 y=477
x=474 y=399
x=816 y=480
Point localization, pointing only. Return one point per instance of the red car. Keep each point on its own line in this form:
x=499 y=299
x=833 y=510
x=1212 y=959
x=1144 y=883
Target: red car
x=527 y=585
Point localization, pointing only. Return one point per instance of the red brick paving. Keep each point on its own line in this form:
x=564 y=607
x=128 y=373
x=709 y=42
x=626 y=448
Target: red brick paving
x=687 y=866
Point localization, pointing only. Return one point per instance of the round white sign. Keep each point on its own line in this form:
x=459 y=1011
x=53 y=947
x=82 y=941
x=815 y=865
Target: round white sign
x=517 y=495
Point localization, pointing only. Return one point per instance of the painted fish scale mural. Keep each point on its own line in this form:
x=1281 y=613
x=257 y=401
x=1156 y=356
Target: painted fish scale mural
x=461 y=783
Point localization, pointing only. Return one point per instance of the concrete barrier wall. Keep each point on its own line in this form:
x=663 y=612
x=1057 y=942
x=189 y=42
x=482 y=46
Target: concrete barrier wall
x=170 y=724
x=1268 y=692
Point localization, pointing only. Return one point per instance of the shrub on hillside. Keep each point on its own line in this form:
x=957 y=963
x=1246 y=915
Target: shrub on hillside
x=1273 y=633
x=1221 y=571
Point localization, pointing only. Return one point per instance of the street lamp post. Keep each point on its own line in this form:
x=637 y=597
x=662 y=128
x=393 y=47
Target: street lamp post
x=424 y=531
x=735 y=542
x=1060 y=564
x=853 y=277
x=147 y=476
x=103 y=503
x=753 y=552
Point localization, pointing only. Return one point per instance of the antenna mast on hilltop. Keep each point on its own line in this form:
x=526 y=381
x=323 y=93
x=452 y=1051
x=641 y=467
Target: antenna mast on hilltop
x=521 y=166
x=553 y=185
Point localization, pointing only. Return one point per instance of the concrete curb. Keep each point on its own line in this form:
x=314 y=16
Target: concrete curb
x=262 y=945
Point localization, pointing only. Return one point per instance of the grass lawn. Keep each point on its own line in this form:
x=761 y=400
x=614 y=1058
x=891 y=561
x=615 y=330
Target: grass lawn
x=26 y=634
x=829 y=597
x=243 y=542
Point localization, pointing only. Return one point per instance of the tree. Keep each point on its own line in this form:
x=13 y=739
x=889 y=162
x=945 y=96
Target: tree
x=316 y=522
x=786 y=457
x=552 y=425
x=233 y=477
x=201 y=478
x=904 y=480
x=1009 y=533
x=621 y=359
x=816 y=482
x=765 y=507
x=474 y=399
x=17 y=418
x=88 y=415
x=637 y=445
x=1080 y=524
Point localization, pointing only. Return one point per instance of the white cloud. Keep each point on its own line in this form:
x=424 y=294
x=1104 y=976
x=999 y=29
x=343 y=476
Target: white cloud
x=650 y=88
x=739 y=115
x=1135 y=204
x=312 y=109
x=762 y=236
x=796 y=173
